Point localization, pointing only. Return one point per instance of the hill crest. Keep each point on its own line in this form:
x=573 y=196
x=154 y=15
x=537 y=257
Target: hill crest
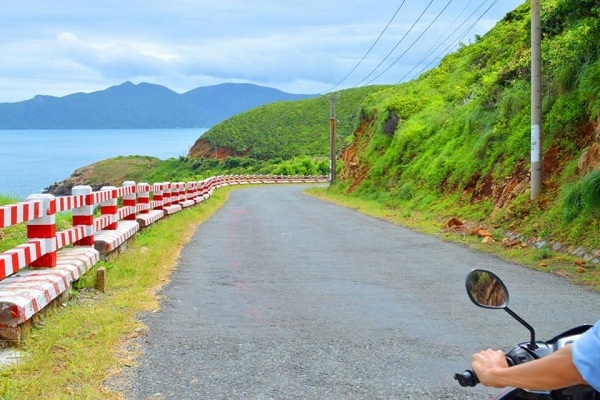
x=143 y=105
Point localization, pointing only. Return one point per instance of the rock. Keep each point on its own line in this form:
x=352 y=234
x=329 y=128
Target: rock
x=488 y=240
x=557 y=246
x=510 y=243
x=580 y=270
x=474 y=231
x=484 y=233
x=454 y=222
x=579 y=263
x=579 y=252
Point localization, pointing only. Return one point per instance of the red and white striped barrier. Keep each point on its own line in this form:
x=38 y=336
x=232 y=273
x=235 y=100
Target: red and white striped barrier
x=24 y=294
x=35 y=273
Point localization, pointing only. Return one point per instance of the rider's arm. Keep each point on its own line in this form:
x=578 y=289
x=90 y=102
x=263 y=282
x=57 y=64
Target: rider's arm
x=554 y=371
x=586 y=356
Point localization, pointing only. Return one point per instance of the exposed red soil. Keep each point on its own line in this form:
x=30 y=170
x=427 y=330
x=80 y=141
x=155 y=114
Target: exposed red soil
x=501 y=190
x=203 y=149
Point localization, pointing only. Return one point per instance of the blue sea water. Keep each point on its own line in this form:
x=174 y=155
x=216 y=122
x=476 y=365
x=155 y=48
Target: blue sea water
x=31 y=160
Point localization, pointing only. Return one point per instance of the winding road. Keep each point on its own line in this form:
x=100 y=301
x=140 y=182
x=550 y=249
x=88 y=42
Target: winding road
x=283 y=296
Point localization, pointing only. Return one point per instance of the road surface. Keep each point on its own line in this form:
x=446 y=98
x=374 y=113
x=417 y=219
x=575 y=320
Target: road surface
x=283 y=296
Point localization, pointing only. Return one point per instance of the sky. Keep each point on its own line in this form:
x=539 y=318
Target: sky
x=298 y=46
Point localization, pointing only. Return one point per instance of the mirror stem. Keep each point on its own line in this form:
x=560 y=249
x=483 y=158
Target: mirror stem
x=532 y=345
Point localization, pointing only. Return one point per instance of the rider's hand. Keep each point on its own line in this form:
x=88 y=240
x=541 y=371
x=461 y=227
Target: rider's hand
x=486 y=363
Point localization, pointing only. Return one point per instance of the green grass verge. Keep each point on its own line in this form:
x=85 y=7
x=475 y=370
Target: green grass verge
x=545 y=260
x=75 y=349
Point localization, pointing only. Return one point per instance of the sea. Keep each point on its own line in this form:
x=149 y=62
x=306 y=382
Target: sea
x=32 y=160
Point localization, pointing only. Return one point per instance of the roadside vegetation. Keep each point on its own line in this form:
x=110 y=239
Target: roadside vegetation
x=75 y=351
x=456 y=141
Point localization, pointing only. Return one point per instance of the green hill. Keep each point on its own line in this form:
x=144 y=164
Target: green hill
x=456 y=141
x=462 y=142
x=284 y=129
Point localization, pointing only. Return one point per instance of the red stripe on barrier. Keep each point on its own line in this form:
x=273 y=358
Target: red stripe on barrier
x=41 y=231
x=108 y=209
x=14 y=215
x=83 y=219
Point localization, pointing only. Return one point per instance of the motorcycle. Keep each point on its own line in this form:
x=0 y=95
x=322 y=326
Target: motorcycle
x=486 y=289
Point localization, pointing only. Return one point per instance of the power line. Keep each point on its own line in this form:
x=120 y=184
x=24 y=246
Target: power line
x=396 y=46
x=453 y=43
x=413 y=43
x=439 y=42
x=368 y=51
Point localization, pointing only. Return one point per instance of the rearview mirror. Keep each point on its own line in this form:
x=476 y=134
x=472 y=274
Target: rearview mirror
x=486 y=289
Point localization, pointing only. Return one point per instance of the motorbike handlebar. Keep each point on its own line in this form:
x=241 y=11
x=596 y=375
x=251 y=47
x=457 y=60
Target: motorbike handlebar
x=466 y=378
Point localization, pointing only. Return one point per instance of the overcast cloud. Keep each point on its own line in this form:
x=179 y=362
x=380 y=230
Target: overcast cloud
x=298 y=46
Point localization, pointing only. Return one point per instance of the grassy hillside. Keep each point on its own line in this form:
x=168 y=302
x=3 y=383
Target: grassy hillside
x=457 y=140
x=284 y=129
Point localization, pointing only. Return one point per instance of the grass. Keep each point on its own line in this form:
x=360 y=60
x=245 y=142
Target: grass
x=15 y=235
x=569 y=267
x=77 y=348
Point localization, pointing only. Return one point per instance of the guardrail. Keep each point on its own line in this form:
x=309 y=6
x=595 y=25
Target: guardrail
x=41 y=270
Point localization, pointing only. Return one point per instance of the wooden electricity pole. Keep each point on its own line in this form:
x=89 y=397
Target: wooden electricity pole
x=332 y=141
x=536 y=100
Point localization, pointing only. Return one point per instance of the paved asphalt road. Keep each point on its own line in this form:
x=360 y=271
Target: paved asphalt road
x=283 y=296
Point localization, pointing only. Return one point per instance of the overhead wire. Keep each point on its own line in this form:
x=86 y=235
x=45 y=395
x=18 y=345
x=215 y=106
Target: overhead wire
x=460 y=38
x=368 y=51
x=432 y=50
x=413 y=43
x=396 y=46
x=439 y=42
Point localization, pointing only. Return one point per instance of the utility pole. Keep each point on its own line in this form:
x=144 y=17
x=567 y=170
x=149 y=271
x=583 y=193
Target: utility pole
x=332 y=141
x=536 y=100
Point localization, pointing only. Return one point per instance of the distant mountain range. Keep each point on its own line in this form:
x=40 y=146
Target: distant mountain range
x=143 y=105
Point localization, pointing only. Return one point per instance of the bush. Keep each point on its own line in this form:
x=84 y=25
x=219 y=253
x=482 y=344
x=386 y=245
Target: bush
x=583 y=197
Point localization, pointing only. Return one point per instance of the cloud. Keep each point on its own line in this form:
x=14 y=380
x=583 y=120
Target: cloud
x=118 y=59
x=304 y=46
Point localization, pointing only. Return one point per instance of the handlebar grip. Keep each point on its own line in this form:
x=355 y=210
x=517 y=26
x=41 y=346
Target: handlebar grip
x=466 y=378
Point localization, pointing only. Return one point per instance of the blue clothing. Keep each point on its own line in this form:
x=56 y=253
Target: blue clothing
x=586 y=355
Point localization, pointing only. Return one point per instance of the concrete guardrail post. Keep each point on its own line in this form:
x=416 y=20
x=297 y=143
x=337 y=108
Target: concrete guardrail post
x=129 y=200
x=144 y=197
x=84 y=216
x=109 y=207
x=167 y=194
x=43 y=229
x=157 y=196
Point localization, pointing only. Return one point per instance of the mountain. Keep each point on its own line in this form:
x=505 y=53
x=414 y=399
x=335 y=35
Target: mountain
x=143 y=105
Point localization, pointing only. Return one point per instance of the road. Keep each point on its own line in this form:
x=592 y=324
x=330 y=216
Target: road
x=283 y=296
